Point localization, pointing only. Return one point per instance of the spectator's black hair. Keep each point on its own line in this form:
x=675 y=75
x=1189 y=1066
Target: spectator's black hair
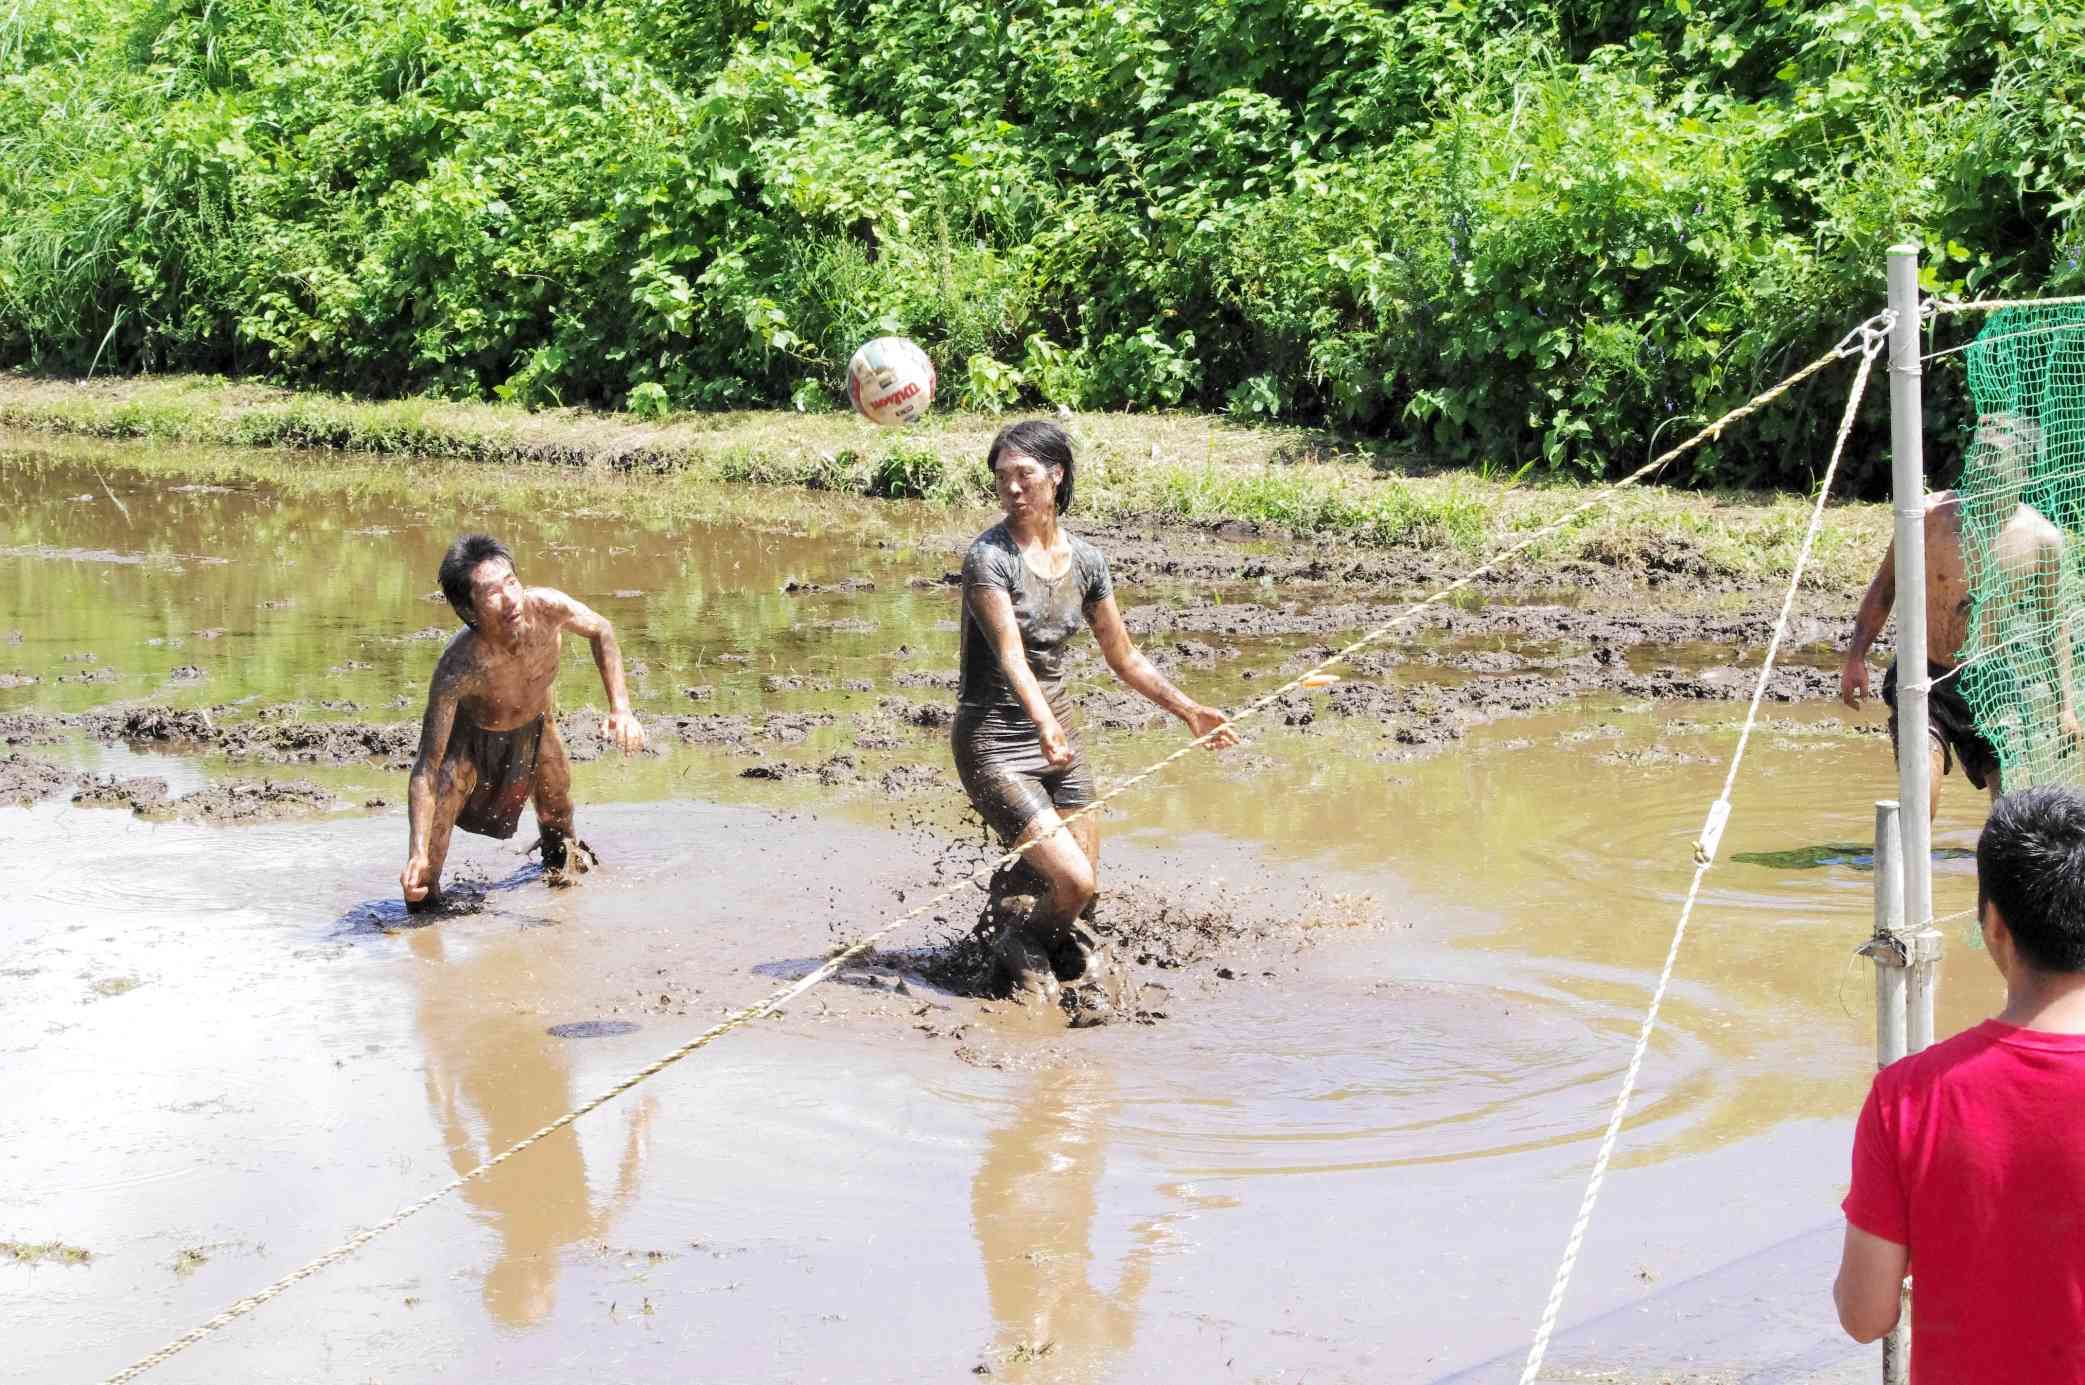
x=1043 y=440
x=460 y=562
x=2030 y=862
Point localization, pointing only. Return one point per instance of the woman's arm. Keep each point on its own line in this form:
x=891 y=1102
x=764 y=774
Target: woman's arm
x=1133 y=668
x=993 y=610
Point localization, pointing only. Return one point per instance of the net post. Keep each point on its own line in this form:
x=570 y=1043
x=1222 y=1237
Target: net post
x=1907 y=492
x=1886 y=948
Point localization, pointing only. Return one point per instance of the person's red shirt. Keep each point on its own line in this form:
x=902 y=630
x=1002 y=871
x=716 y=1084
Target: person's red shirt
x=1972 y=1153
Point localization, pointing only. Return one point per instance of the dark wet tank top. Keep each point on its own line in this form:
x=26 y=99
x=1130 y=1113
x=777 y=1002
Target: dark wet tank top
x=1047 y=613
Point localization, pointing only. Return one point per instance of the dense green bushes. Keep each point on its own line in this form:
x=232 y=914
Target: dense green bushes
x=1512 y=232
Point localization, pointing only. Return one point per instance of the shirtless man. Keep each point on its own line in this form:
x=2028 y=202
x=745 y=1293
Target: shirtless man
x=489 y=739
x=2028 y=552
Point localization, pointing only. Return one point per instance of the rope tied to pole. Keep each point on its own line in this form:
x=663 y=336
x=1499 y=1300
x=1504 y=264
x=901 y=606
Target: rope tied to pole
x=1705 y=848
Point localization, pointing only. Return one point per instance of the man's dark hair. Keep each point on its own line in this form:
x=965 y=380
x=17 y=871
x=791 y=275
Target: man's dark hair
x=460 y=562
x=2030 y=862
x=1043 y=440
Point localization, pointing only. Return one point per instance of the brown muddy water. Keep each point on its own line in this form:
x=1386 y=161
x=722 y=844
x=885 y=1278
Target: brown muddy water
x=1402 y=969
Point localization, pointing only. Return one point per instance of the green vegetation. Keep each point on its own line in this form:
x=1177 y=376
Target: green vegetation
x=1181 y=468
x=1497 y=231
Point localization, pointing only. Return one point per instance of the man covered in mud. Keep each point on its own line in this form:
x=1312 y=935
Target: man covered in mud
x=489 y=740
x=2017 y=569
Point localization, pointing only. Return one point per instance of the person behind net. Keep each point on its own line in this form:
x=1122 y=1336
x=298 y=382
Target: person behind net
x=1969 y=1157
x=1028 y=589
x=1985 y=548
x=489 y=740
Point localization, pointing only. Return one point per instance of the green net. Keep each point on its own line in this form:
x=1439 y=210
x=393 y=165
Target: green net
x=2023 y=540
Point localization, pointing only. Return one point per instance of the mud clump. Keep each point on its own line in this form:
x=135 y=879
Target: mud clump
x=778 y=683
x=903 y=780
x=840 y=769
x=581 y=733
x=393 y=744
x=248 y=800
x=187 y=674
x=30 y=728
x=789 y=728
x=18 y=680
x=25 y=779
x=235 y=801
x=932 y=716
x=152 y=724
x=141 y=795
x=852 y=584
x=733 y=731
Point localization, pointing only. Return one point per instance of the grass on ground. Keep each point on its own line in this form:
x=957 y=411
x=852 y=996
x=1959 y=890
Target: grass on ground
x=1185 y=468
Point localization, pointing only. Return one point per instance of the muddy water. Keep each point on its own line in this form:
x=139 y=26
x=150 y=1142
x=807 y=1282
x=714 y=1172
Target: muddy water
x=1351 y=1150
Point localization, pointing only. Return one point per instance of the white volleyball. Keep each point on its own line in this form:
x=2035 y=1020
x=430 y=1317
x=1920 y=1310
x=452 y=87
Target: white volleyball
x=890 y=380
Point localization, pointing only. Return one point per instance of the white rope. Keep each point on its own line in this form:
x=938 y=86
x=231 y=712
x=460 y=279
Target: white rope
x=1928 y=684
x=1704 y=857
x=2002 y=336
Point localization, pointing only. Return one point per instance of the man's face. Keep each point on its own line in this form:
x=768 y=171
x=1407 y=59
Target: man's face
x=2008 y=445
x=496 y=596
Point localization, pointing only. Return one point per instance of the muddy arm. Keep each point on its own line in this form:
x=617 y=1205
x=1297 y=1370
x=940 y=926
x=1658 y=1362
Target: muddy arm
x=620 y=726
x=436 y=726
x=1874 y=613
x=1133 y=668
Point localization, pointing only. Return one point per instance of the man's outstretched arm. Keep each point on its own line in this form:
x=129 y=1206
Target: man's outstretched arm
x=435 y=728
x=1874 y=613
x=620 y=726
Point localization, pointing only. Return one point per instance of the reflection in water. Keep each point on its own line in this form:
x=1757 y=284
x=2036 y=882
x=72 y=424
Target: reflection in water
x=1034 y=1203
x=494 y=1077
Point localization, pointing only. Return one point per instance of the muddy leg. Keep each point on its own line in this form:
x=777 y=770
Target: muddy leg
x=1095 y=985
x=1029 y=927
x=1066 y=869
x=1936 y=765
x=453 y=786
x=552 y=796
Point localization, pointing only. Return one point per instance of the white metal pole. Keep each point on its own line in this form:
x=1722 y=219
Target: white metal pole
x=1888 y=951
x=1922 y=987
x=1908 y=495
x=1891 y=1035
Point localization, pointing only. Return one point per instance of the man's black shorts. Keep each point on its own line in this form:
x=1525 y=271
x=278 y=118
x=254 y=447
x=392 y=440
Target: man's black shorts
x=1949 y=721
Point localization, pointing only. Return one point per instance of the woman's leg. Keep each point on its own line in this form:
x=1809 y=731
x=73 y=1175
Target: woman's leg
x=1066 y=865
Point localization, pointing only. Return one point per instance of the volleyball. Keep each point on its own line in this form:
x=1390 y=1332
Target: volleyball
x=890 y=380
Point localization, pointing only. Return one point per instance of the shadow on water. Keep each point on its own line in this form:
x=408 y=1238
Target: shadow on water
x=494 y=1076
x=1850 y=855
x=459 y=899
x=1035 y=1204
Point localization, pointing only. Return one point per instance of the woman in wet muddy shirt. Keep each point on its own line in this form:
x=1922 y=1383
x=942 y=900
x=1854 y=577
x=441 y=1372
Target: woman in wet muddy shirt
x=1028 y=589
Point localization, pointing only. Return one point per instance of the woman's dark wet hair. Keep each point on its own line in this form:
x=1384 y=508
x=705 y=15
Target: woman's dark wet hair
x=460 y=562
x=2030 y=862
x=1043 y=440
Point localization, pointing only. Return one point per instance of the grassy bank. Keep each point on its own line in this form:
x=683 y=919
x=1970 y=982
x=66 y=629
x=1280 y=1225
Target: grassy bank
x=1179 y=468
